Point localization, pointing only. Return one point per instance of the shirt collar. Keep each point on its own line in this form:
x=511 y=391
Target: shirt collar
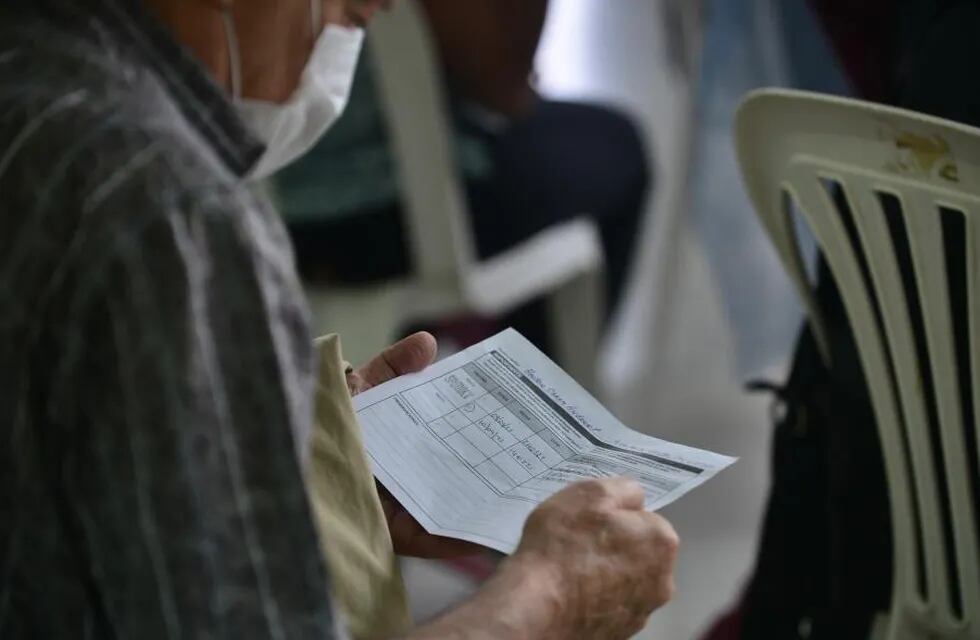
x=203 y=103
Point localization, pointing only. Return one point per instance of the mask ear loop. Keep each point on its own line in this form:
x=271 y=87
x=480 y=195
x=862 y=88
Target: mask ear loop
x=234 y=53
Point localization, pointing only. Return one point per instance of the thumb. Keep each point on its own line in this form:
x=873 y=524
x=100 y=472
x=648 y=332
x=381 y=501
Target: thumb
x=412 y=354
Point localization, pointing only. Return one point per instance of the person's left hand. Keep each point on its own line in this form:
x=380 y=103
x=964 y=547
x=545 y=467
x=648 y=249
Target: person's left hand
x=412 y=354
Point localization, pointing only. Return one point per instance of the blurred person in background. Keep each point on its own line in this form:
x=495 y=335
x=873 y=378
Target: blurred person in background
x=158 y=451
x=527 y=162
x=824 y=566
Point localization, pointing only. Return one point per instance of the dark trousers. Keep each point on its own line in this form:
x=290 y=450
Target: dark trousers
x=562 y=161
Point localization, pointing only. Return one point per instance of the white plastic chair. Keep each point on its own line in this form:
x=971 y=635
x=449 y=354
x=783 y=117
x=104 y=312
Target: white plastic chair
x=805 y=148
x=564 y=261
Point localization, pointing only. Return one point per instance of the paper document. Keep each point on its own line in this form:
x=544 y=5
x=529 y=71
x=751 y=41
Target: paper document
x=474 y=443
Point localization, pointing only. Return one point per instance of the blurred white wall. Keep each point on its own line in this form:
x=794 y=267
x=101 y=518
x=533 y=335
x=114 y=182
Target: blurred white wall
x=632 y=54
x=671 y=363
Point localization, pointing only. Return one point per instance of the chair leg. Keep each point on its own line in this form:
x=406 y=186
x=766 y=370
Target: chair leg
x=575 y=313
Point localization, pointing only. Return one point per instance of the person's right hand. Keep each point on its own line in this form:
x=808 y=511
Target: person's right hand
x=611 y=562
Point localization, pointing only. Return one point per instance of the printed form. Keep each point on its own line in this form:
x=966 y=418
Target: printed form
x=474 y=443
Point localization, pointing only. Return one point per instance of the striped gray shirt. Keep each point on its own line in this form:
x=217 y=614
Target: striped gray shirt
x=156 y=367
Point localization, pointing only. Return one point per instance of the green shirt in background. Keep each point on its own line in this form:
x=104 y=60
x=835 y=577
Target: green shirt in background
x=352 y=169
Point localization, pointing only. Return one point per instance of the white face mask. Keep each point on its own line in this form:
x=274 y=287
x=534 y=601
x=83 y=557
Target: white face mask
x=291 y=128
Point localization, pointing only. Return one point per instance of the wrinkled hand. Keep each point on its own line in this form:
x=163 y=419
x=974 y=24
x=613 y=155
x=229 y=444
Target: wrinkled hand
x=611 y=561
x=412 y=354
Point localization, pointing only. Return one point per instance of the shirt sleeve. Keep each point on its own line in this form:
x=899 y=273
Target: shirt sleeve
x=181 y=385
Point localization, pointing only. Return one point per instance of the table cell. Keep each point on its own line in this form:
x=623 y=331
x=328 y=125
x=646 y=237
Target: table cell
x=538 y=448
x=472 y=411
x=496 y=433
x=442 y=428
x=503 y=396
x=489 y=403
x=524 y=457
x=556 y=443
x=429 y=401
x=483 y=441
x=465 y=449
x=565 y=475
x=532 y=491
x=510 y=423
x=480 y=376
x=580 y=469
x=457 y=419
x=459 y=387
x=548 y=483
x=514 y=470
x=525 y=416
x=495 y=476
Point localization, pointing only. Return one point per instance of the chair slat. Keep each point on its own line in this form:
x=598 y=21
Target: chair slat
x=870 y=219
x=827 y=227
x=971 y=587
x=929 y=257
x=787 y=245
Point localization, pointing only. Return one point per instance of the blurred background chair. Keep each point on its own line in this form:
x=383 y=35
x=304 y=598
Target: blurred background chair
x=563 y=262
x=451 y=195
x=893 y=200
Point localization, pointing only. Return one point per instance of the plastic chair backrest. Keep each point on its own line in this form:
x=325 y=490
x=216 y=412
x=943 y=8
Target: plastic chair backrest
x=911 y=185
x=407 y=73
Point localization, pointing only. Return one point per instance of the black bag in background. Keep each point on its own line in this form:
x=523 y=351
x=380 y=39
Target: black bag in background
x=824 y=563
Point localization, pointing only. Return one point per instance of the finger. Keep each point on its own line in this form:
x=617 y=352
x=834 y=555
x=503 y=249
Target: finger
x=619 y=492
x=356 y=384
x=624 y=493
x=659 y=536
x=666 y=534
x=412 y=354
